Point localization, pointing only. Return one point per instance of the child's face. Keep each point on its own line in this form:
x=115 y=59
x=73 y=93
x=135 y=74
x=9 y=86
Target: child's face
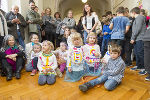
x=11 y=41
x=45 y=47
x=92 y=39
x=114 y=55
x=77 y=42
x=35 y=39
x=37 y=48
x=67 y=32
x=62 y=46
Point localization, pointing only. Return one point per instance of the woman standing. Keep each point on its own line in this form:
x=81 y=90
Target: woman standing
x=90 y=21
x=49 y=25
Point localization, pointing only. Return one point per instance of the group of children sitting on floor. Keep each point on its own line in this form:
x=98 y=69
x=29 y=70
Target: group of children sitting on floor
x=77 y=59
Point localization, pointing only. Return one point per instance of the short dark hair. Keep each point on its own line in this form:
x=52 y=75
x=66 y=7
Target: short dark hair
x=108 y=13
x=135 y=10
x=103 y=15
x=143 y=11
x=120 y=10
x=126 y=10
x=31 y=1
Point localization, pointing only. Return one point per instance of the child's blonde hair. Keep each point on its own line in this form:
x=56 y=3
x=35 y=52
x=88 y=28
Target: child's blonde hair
x=115 y=48
x=75 y=36
x=49 y=43
x=91 y=34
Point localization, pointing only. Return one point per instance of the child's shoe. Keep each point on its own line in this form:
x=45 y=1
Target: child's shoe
x=59 y=72
x=84 y=87
x=147 y=78
x=34 y=71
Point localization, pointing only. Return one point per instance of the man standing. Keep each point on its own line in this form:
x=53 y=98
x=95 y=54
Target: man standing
x=16 y=25
x=32 y=19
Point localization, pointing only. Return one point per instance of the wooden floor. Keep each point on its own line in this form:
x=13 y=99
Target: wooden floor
x=133 y=87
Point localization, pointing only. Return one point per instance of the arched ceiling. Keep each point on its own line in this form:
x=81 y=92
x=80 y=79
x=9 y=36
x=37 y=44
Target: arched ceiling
x=99 y=6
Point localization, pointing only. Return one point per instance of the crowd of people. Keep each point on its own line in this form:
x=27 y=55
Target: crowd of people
x=61 y=47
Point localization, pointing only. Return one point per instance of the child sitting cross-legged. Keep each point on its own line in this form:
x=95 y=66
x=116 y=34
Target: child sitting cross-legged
x=112 y=73
x=47 y=64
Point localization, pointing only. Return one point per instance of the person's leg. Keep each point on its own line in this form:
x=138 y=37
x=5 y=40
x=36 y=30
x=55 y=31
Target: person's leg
x=140 y=54
x=29 y=67
x=128 y=51
x=84 y=87
x=85 y=36
x=110 y=84
x=146 y=59
x=8 y=69
x=20 y=39
x=19 y=66
x=62 y=67
x=51 y=79
x=35 y=61
x=42 y=79
x=103 y=47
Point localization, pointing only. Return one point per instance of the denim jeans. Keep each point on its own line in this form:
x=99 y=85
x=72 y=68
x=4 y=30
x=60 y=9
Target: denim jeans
x=147 y=56
x=139 y=54
x=110 y=84
x=85 y=36
x=104 y=45
x=49 y=79
x=29 y=67
x=20 y=40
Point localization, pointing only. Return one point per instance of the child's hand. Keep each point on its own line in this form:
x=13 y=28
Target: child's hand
x=49 y=69
x=104 y=61
x=105 y=33
x=44 y=71
x=69 y=69
x=14 y=59
x=96 y=54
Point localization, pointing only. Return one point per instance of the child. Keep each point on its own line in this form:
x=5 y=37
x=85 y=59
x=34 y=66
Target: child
x=34 y=56
x=67 y=38
x=112 y=74
x=106 y=35
x=47 y=64
x=92 y=55
x=12 y=57
x=138 y=31
x=62 y=56
x=34 y=39
x=75 y=63
x=119 y=26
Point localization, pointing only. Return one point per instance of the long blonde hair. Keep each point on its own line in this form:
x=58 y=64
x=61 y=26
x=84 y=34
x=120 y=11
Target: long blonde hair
x=49 y=43
x=75 y=36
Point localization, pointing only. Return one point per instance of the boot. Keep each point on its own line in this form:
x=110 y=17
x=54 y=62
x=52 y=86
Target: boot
x=9 y=74
x=18 y=72
x=84 y=87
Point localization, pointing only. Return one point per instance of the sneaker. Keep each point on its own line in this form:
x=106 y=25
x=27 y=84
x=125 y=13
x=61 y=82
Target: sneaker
x=83 y=88
x=34 y=71
x=58 y=72
x=147 y=78
x=134 y=68
x=142 y=72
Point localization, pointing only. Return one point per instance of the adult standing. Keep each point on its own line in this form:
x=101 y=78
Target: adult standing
x=68 y=21
x=32 y=19
x=57 y=18
x=90 y=21
x=3 y=27
x=49 y=26
x=16 y=25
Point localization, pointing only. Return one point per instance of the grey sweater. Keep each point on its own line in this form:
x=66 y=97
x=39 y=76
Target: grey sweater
x=138 y=28
x=115 y=69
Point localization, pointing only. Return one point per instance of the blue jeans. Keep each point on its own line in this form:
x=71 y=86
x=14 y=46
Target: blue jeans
x=104 y=45
x=110 y=84
x=49 y=79
x=29 y=67
x=139 y=54
x=20 y=40
x=85 y=36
